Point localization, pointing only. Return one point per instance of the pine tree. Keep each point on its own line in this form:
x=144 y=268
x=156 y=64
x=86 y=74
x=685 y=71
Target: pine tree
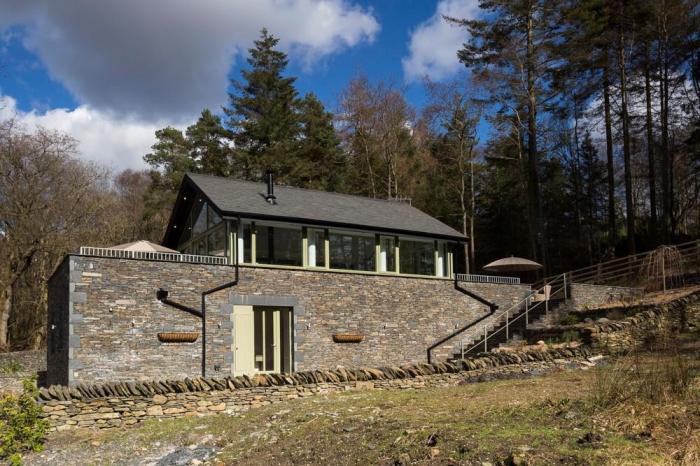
x=208 y=145
x=262 y=112
x=318 y=163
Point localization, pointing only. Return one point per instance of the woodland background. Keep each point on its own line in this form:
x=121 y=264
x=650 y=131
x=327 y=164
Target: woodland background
x=574 y=137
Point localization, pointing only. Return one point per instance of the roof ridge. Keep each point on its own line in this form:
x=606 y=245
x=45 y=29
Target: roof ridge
x=394 y=201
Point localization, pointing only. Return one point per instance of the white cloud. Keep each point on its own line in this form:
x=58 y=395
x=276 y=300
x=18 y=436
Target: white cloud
x=169 y=58
x=434 y=43
x=112 y=141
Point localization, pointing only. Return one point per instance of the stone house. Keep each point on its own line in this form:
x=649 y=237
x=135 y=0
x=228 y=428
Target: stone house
x=265 y=279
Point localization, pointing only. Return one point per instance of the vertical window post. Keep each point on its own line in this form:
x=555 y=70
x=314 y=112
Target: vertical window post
x=396 y=255
x=305 y=247
x=253 y=234
x=326 y=249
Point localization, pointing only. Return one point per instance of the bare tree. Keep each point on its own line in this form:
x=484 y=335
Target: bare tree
x=454 y=117
x=49 y=202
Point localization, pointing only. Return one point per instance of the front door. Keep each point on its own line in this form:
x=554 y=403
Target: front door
x=262 y=340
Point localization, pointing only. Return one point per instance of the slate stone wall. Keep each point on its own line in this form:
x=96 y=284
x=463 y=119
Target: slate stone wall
x=120 y=404
x=115 y=316
x=586 y=296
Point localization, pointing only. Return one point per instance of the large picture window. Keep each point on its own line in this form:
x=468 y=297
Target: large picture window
x=278 y=246
x=352 y=251
x=416 y=257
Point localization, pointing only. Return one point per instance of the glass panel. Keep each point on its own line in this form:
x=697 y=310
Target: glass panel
x=387 y=254
x=201 y=246
x=269 y=340
x=352 y=252
x=217 y=242
x=417 y=257
x=285 y=340
x=279 y=246
x=247 y=239
x=200 y=225
x=316 y=252
x=213 y=218
x=258 y=338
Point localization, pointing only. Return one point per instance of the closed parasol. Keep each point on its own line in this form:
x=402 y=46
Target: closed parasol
x=512 y=264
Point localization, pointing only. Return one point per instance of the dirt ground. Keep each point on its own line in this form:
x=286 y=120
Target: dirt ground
x=553 y=419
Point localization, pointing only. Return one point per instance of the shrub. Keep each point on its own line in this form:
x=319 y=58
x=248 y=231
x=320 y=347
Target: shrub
x=11 y=367
x=21 y=427
x=569 y=319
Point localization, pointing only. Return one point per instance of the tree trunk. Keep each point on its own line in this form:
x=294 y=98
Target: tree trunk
x=665 y=152
x=650 y=151
x=629 y=207
x=612 y=229
x=5 y=308
x=472 y=208
x=534 y=210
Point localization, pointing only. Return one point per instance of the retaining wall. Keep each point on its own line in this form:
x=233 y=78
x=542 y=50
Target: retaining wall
x=118 y=404
x=104 y=317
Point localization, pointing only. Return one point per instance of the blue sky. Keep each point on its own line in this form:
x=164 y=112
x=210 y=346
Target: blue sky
x=112 y=72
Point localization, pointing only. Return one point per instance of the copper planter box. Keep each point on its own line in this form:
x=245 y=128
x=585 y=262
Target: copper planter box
x=178 y=337
x=347 y=338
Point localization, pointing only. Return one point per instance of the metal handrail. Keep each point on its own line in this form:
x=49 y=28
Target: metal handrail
x=528 y=308
x=495 y=279
x=617 y=268
x=152 y=255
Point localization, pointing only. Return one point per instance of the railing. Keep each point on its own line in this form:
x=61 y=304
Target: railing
x=627 y=271
x=152 y=256
x=557 y=286
x=472 y=278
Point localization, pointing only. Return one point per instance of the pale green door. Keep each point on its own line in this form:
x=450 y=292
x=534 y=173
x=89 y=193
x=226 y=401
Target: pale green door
x=243 y=340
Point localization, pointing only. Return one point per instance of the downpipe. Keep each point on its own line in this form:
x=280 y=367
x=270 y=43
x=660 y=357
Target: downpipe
x=162 y=296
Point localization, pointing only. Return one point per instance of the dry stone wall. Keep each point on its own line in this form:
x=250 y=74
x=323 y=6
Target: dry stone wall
x=585 y=296
x=120 y=404
x=111 y=317
x=639 y=327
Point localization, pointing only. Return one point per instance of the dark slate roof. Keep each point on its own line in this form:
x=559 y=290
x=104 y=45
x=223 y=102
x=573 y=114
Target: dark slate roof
x=245 y=198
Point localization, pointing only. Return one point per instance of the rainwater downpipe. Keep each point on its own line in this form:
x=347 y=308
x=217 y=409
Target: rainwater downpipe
x=162 y=296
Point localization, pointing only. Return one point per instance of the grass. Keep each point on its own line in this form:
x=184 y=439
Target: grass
x=11 y=367
x=555 y=419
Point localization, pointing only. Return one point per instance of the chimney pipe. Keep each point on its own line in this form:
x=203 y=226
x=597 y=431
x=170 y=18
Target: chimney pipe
x=270 y=187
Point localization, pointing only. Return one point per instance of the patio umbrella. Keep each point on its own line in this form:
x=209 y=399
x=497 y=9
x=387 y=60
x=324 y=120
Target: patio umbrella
x=144 y=246
x=512 y=264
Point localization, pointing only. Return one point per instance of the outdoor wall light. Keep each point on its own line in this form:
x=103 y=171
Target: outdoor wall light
x=308 y=326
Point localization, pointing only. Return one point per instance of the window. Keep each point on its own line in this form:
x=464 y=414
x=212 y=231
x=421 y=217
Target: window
x=352 y=251
x=213 y=218
x=278 y=246
x=316 y=252
x=217 y=242
x=200 y=214
x=417 y=257
x=244 y=243
x=387 y=254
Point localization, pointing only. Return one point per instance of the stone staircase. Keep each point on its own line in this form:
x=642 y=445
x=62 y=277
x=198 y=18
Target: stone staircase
x=502 y=330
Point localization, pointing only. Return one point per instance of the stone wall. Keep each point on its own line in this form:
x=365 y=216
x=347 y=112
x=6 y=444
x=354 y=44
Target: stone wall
x=586 y=296
x=119 y=404
x=114 y=316
x=638 y=327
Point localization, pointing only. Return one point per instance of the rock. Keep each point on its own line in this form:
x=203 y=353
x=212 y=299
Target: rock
x=434 y=452
x=154 y=410
x=432 y=440
x=541 y=343
x=159 y=399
